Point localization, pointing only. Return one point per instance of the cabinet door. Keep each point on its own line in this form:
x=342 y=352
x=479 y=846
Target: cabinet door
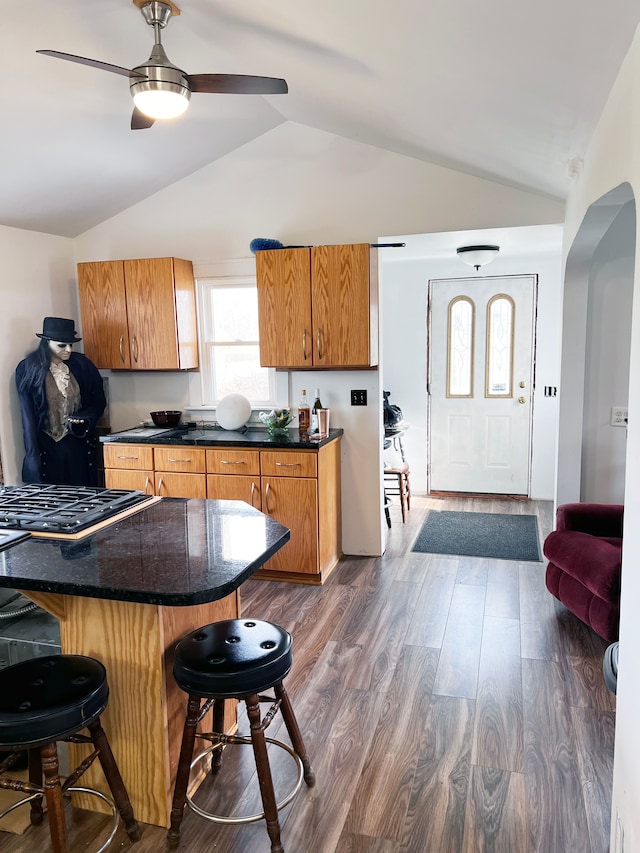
x=151 y=309
x=141 y=481
x=172 y=485
x=342 y=308
x=104 y=314
x=222 y=487
x=294 y=503
x=284 y=307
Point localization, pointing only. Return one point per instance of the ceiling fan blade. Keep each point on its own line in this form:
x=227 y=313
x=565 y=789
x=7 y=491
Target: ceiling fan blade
x=140 y=121
x=95 y=63
x=237 y=84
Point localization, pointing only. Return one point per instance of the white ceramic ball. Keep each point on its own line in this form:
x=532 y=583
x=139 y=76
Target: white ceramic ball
x=233 y=411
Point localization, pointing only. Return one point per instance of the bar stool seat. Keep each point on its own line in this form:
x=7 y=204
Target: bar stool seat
x=236 y=659
x=50 y=699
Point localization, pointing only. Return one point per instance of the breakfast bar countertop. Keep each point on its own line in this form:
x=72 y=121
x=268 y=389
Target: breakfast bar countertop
x=175 y=552
x=217 y=437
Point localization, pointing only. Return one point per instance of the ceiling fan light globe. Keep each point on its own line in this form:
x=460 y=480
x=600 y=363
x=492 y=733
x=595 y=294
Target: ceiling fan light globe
x=161 y=102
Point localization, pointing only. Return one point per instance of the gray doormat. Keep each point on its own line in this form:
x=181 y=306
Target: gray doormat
x=480 y=534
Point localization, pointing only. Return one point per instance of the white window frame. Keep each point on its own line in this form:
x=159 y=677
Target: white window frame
x=278 y=384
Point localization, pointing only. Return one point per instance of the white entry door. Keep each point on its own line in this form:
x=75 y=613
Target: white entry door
x=481 y=341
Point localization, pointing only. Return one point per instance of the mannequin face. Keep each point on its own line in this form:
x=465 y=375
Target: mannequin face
x=60 y=351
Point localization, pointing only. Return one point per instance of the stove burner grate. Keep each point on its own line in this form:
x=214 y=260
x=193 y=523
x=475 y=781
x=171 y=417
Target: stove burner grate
x=62 y=509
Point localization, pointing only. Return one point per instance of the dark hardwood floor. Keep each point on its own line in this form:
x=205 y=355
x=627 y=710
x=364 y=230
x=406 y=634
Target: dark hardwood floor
x=449 y=704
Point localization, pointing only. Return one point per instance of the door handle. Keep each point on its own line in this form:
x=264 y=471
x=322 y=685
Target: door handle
x=318 y=343
x=134 y=348
x=121 y=349
x=304 y=344
x=147 y=483
x=159 y=489
x=266 y=498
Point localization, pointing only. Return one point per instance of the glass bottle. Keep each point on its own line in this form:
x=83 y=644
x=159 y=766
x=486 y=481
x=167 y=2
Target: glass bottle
x=304 y=413
x=314 y=411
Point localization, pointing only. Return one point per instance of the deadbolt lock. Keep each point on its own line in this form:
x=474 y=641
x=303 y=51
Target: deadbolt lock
x=522 y=399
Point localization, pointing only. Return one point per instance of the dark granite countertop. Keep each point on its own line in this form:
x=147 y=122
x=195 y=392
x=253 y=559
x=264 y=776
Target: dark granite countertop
x=176 y=552
x=217 y=437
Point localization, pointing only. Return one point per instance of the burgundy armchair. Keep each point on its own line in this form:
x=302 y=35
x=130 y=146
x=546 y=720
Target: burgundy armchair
x=585 y=556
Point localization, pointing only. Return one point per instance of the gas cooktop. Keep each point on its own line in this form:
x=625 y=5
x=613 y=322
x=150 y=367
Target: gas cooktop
x=62 y=509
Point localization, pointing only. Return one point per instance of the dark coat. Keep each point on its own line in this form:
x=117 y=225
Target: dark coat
x=33 y=406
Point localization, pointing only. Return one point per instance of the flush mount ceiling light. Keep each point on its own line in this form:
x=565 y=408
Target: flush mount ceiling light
x=477 y=256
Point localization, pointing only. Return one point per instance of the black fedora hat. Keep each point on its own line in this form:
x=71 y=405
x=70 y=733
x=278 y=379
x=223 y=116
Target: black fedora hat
x=59 y=329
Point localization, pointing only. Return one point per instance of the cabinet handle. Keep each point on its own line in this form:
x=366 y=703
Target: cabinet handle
x=147 y=483
x=127 y=457
x=304 y=344
x=159 y=489
x=287 y=464
x=253 y=491
x=318 y=344
x=186 y=461
x=134 y=348
x=121 y=349
x=231 y=462
x=266 y=498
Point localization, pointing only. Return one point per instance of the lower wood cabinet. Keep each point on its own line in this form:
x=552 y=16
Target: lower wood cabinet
x=298 y=488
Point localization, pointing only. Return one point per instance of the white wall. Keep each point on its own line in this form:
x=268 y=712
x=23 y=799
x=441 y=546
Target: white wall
x=613 y=158
x=38 y=280
x=404 y=331
x=304 y=186
x=608 y=342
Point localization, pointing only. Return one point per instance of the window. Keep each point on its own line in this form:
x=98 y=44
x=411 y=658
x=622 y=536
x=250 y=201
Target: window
x=499 y=372
x=229 y=346
x=460 y=348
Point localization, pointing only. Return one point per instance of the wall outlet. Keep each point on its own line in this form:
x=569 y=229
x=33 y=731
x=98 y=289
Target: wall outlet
x=359 y=398
x=619 y=416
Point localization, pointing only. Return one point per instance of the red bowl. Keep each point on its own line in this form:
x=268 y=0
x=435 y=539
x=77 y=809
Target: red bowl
x=166 y=419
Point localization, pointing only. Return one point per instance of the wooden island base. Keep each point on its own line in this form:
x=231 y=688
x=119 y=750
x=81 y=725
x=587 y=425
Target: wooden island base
x=146 y=710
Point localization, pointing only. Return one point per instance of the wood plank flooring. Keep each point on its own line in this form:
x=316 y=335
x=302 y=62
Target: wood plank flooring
x=450 y=705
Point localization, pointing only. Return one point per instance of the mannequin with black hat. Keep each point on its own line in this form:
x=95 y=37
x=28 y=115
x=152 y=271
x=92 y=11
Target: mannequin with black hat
x=61 y=399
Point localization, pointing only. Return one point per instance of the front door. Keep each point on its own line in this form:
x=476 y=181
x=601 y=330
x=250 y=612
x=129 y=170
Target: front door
x=480 y=355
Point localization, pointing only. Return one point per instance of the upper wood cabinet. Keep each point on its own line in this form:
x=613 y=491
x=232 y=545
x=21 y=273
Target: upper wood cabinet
x=139 y=314
x=318 y=307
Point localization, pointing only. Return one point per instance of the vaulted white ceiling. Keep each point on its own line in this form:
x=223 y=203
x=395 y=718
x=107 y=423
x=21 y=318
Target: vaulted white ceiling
x=501 y=90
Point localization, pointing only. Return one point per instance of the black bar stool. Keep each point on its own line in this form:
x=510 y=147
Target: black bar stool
x=50 y=699
x=236 y=659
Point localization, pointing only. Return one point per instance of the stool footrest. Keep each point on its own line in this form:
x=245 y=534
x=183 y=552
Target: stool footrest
x=240 y=819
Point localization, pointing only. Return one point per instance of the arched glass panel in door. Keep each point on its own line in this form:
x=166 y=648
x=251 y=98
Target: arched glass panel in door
x=499 y=367
x=460 y=347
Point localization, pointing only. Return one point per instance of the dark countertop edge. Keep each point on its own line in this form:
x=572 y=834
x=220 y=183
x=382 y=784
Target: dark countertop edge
x=180 y=438
x=168 y=599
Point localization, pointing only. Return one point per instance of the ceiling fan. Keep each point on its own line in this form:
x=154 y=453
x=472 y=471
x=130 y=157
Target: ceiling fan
x=159 y=88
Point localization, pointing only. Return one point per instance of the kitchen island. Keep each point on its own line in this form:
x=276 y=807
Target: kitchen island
x=125 y=594
x=294 y=478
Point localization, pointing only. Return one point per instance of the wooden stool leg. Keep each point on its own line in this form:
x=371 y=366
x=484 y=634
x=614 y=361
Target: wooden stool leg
x=53 y=796
x=114 y=780
x=184 y=767
x=403 y=506
x=218 y=726
x=293 y=728
x=35 y=777
x=408 y=489
x=264 y=773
